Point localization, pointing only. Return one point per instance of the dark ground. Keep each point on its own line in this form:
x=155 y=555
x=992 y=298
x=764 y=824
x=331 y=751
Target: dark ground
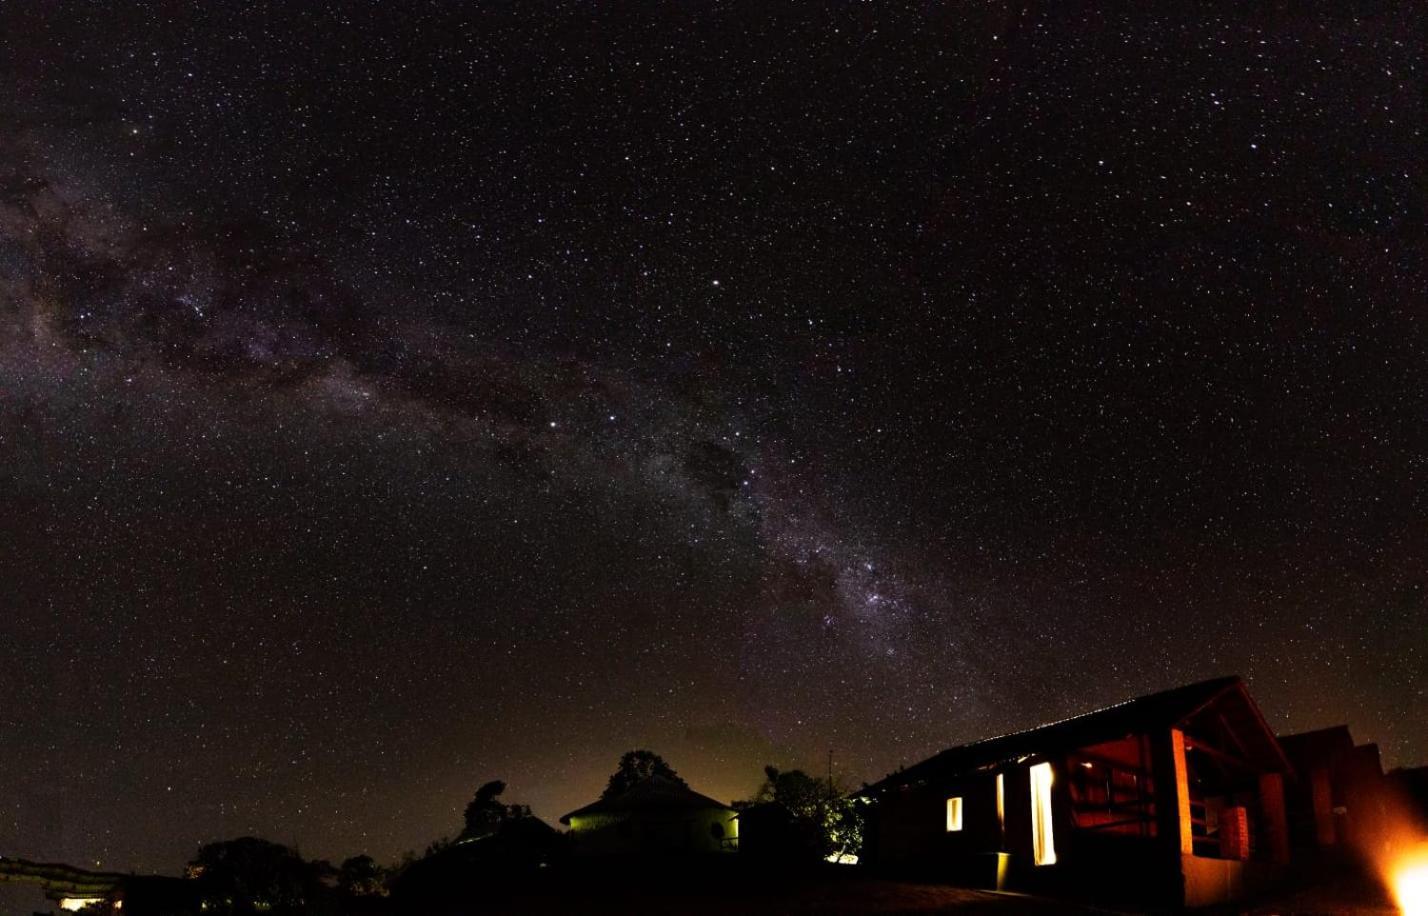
x=836 y=891
x=848 y=897
x=894 y=897
x=830 y=893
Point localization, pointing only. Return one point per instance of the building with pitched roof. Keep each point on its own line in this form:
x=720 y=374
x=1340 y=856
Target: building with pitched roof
x=1173 y=799
x=658 y=816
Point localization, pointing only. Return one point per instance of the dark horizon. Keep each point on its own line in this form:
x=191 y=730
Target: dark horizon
x=395 y=398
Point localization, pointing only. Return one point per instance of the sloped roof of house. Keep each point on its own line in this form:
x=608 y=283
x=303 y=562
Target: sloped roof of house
x=1158 y=710
x=654 y=794
x=1324 y=745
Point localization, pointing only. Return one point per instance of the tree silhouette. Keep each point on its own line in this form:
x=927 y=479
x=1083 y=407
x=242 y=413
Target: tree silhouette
x=486 y=814
x=801 y=794
x=636 y=767
x=831 y=822
x=359 y=876
x=250 y=875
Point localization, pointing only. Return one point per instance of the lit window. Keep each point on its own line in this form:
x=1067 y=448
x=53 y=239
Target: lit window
x=1043 y=844
x=954 y=813
x=1002 y=806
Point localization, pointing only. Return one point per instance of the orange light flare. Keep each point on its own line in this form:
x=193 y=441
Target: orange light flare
x=1396 y=842
x=1407 y=875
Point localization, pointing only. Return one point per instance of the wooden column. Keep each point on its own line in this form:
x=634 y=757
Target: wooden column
x=1276 y=823
x=1172 y=813
x=1172 y=792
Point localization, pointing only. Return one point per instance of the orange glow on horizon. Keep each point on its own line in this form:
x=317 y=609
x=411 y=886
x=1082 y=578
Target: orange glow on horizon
x=1397 y=845
x=1408 y=880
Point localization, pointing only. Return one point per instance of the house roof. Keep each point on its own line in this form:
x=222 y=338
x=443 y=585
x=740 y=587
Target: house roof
x=1158 y=710
x=654 y=794
x=1324 y=745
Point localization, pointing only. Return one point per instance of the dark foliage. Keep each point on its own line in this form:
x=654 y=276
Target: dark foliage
x=636 y=767
x=360 y=876
x=821 y=820
x=250 y=875
x=486 y=813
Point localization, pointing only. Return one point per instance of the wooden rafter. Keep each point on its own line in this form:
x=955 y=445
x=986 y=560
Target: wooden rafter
x=1219 y=755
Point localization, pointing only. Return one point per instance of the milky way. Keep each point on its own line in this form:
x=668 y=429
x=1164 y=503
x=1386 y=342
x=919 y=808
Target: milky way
x=392 y=400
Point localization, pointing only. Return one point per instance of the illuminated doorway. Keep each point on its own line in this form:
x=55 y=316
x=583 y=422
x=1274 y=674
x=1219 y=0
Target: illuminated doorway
x=1043 y=842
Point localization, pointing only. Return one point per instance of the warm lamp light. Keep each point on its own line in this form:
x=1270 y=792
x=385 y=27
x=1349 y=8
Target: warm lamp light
x=1409 y=881
x=1043 y=842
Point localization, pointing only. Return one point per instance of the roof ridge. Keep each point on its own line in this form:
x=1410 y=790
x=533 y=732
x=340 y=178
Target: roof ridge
x=673 y=790
x=1228 y=681
x=1212 y=687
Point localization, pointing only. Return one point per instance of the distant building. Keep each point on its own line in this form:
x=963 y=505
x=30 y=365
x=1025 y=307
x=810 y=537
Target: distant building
x=1339 y=800
x=1174 y=799
x=72 y=888
x=658 y=816
x=450 y=879
x=1409 y=786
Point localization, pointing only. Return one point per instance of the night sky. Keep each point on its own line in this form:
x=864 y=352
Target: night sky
x=397 y=396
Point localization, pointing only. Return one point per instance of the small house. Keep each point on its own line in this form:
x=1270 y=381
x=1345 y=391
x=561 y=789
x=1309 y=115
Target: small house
x=1174 y=799
x=658 y=816
x=1339 y=802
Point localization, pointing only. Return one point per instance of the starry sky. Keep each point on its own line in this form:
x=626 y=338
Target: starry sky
x=397 y=396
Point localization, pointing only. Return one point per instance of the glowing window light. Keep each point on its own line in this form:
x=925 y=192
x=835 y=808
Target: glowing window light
x=1002 y=806
x=954 y=814
x=74 y=904
x=1043 y=843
